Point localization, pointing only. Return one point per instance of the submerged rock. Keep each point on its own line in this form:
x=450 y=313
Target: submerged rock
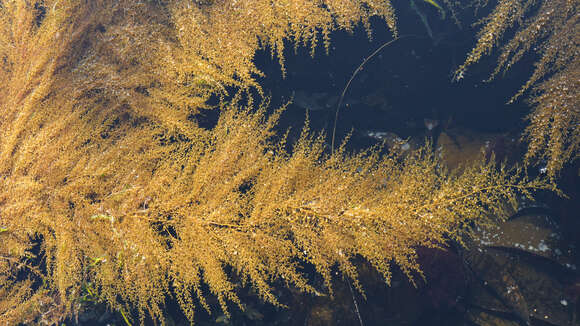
x=459 y=146
x=309 y=101
x=494 y=274
x=521 y=269
x=535 y=234
x=482 y=318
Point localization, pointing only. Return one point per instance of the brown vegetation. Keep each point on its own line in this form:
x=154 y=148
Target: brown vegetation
x=108 y=185
x=550 y=29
